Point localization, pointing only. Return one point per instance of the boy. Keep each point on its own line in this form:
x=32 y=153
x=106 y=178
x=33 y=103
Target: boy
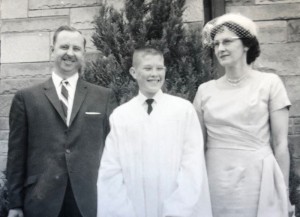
x=153 y=163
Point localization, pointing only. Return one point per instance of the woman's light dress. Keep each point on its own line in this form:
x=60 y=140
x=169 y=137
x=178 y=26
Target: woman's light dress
x=245 y=179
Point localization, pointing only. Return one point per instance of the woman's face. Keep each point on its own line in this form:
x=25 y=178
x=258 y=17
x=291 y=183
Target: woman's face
x=229 y=49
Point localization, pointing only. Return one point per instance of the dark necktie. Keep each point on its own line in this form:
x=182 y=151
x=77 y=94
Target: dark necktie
x=149 y=102
x=64 y=98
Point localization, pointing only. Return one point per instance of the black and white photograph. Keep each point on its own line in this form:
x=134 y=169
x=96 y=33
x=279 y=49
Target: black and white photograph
x=150 y=108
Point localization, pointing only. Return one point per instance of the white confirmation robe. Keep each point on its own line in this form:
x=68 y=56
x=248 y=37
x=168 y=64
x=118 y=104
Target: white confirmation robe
x=153 y=165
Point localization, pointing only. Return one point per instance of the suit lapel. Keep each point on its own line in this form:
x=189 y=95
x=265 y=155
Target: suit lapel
x=51 y=94
x=80 y=93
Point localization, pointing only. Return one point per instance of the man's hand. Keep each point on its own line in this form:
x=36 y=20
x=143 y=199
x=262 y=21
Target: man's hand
x=15 y=213
x=291 y=209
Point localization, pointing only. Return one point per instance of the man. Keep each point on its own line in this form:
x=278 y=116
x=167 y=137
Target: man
x=153 y=163
x=57 y=133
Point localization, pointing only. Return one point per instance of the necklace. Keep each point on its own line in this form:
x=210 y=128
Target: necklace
x=235 y=82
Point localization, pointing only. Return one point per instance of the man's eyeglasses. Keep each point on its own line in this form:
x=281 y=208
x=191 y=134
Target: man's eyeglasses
x=225 y=42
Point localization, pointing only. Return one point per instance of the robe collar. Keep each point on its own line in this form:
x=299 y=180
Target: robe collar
x=157 y=97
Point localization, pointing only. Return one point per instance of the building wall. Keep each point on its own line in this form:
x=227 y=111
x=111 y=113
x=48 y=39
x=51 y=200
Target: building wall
x=27 y=28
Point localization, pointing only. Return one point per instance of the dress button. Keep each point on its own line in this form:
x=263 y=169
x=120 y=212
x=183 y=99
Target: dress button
x=68 y=151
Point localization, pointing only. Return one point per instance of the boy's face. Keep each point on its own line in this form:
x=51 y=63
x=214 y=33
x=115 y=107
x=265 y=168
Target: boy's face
x=149 y=72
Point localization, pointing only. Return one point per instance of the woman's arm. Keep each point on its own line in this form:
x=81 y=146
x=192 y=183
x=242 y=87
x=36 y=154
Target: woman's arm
x=279 y=131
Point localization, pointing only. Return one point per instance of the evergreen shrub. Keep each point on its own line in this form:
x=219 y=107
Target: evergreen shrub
x=156 y=23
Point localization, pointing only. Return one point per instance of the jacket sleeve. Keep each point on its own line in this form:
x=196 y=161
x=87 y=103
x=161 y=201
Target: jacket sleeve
x=112 y=195
x=17 y=148
x=110 y=106
x=191 y=197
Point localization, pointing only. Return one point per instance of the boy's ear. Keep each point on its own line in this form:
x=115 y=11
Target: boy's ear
x=132 y=72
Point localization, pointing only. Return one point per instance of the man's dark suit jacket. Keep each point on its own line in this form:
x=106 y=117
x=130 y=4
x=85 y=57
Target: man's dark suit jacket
x=44 y=152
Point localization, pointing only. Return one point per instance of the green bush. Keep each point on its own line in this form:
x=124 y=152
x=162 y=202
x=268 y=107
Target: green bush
x=157 y=23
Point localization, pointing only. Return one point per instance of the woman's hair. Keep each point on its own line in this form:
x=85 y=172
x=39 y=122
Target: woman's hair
x=245 y=36
x=242 y=26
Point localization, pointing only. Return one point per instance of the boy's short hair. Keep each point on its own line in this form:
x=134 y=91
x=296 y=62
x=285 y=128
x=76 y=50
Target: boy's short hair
x=145 y=51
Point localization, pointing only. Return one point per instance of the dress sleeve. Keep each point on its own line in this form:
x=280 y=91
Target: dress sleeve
x=112 y=197
x=278 y=95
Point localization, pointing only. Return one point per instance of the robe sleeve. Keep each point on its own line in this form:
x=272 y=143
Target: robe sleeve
x=191 y=197
x=112 y=199
x=198 y=107
x=197 y=103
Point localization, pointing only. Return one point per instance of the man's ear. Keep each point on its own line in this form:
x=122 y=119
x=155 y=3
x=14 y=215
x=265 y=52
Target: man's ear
x=51 y=51
x=132 y=72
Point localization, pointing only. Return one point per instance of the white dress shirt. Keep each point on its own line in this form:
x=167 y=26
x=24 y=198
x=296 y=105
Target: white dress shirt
x=71 y=87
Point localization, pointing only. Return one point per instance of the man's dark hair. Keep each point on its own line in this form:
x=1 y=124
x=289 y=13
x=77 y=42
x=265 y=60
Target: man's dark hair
x=69 y=29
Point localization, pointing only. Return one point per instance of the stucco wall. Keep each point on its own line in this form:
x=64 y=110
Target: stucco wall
x=26 y=35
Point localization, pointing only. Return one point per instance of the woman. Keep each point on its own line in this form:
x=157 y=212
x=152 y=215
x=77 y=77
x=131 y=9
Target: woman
x=241 y=113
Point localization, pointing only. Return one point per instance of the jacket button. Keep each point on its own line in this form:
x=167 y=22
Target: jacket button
x=57 y=177
x=68 y=151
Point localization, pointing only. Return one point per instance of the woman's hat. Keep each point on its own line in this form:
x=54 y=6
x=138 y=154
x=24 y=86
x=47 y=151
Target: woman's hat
x=244 y=26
